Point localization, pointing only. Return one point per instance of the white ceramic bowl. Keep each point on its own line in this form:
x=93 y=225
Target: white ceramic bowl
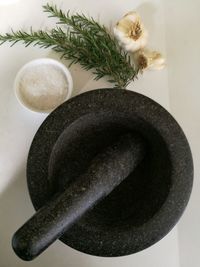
x=38 y=62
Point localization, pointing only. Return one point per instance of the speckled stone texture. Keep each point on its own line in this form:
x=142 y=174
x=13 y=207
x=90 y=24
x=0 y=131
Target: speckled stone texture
x=106 y=171
x=147 y=204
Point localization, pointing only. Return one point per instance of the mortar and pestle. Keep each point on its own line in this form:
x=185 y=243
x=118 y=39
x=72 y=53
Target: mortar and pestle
x=109 y=172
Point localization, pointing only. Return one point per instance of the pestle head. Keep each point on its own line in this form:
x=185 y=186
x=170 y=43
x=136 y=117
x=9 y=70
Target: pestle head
x=147 y=204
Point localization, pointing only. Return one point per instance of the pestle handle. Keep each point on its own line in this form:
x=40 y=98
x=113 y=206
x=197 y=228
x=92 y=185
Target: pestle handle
x=107 y=170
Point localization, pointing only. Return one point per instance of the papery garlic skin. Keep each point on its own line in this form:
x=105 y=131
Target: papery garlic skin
x=130 y=32
x=147 y=59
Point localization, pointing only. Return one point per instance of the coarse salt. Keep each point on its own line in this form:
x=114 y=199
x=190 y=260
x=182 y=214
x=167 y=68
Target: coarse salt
x=43 y=87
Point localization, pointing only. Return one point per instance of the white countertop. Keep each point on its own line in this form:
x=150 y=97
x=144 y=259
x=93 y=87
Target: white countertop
x=18 y=126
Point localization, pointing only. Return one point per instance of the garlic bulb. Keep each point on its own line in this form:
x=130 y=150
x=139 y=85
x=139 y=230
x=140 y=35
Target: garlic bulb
x=147 y=59
x=130 y=32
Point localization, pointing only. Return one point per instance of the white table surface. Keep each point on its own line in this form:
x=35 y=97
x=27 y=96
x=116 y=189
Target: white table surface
x=18 y=126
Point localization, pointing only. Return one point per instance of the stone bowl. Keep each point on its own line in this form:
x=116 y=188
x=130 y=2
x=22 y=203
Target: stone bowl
x=148 y=203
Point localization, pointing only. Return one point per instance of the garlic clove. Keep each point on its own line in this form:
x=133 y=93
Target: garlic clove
x=147 y=59
x=130 y=32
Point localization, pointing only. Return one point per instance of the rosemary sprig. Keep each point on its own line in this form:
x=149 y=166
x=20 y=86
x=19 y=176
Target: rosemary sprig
x=84 y=41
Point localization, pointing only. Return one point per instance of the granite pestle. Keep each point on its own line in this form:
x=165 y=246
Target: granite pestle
x=107 y=170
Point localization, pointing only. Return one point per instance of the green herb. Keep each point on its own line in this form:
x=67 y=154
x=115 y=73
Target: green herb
x=83 y=41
